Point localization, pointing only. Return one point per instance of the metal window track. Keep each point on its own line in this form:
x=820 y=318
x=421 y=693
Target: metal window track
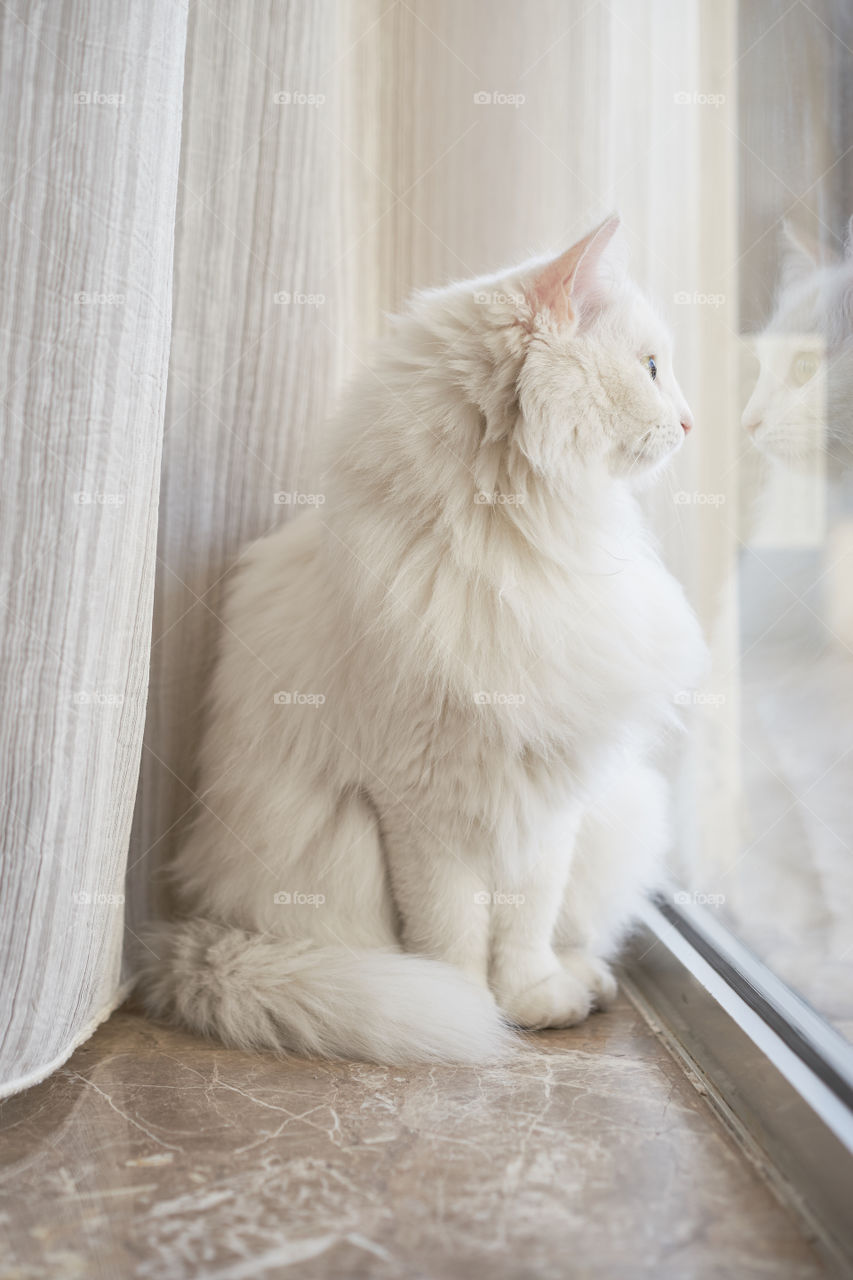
x=782 y=1074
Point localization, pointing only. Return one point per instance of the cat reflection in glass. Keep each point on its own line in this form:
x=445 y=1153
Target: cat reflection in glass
x=794 y=898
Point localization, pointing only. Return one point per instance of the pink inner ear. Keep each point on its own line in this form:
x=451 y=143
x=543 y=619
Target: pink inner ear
x=573 y=278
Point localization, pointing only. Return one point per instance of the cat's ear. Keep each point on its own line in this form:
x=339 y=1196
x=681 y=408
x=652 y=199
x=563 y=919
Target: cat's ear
x=799 y=255
x=581 y=275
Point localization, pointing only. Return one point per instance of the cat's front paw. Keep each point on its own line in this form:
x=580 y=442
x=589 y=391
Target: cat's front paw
x=593 y=974
x=558 y=1000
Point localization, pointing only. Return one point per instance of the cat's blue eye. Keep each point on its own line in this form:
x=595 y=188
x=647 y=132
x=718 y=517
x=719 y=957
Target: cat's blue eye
x=652 y=367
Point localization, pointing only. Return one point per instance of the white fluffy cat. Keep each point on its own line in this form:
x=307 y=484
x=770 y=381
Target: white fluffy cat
x=427 y=813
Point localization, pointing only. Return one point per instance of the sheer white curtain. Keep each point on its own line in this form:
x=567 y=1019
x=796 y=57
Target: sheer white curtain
x=89 y=153
x=333 y=156
x=252 y=369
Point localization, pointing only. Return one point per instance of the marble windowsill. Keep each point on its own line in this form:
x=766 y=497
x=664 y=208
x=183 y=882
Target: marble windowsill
x=152 y=1154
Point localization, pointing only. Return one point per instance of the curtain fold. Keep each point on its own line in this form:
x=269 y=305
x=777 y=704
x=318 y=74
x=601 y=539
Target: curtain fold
x=254 y=359
x=91 y=107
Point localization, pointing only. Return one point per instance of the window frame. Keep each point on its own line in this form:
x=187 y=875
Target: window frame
x=777 y=1074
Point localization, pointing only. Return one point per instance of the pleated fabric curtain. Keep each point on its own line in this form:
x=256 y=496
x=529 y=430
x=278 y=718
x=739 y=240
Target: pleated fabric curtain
x=333 y=156
x=253 y=367
x=89 y=151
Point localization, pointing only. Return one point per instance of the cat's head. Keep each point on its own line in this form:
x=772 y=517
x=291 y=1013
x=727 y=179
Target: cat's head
x=568 y=362
x=802 y=402
x=598 y=364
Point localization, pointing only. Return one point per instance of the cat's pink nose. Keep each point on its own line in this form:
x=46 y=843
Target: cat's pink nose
x=687 y=423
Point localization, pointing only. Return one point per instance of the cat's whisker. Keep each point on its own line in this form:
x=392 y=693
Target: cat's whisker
x=671 y=481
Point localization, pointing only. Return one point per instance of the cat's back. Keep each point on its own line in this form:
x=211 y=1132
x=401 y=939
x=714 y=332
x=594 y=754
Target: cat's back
x=276 y=598
x=277 y=564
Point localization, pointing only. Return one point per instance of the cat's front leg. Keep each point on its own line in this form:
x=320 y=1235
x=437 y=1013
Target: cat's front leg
x=530 y=982
x=439 y=890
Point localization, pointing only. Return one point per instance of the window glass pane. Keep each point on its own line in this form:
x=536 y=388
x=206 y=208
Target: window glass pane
x=776 y=855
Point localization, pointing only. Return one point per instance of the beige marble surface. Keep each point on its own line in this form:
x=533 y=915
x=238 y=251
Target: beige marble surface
x=154 y=1155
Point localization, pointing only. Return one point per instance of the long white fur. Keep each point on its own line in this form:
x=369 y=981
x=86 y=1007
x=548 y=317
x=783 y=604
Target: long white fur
x=447 y=831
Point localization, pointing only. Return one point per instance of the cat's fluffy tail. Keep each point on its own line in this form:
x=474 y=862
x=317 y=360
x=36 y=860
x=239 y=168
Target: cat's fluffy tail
x=256 y=991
